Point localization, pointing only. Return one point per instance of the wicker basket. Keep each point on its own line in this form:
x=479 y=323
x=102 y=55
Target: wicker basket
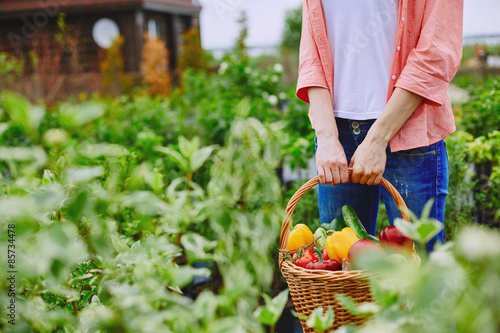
x=312 y=288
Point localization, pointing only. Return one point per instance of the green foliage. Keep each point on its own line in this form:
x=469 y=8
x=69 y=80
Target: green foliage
x=271 y=312
x=207 y=104
x=319 y=321
x=420 y=230
x=481 y=115
x=293 y=28
x=485 y=150
x=121 y=203
x=454 y=290
x=11 y=68
x=110 y=220
x=22 y=114
x=114 y=78
x=241 y=47
x=459 y=204
x=193 y=55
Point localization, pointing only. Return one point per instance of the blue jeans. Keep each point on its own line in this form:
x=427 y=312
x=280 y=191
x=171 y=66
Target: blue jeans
x=418 y=174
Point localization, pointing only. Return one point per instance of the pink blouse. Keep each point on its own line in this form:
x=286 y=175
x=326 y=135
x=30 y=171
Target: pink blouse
x=426 y=58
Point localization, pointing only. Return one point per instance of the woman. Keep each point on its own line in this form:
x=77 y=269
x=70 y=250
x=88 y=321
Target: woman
x=376 y=73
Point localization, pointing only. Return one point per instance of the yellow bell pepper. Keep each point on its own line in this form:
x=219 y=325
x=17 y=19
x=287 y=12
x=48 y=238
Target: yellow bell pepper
x=301 y=235
x=339 y=243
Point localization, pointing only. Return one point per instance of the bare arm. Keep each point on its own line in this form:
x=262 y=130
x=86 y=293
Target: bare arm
x=330 y=157
x=369 y=160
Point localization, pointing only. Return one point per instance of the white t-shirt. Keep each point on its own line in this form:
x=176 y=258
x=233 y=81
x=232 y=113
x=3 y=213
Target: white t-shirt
x=362 y=35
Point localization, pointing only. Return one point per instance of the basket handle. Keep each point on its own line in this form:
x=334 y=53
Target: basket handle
x=285 y=226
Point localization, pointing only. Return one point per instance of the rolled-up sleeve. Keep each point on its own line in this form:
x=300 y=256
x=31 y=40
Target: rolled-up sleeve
x=433 y=63
x=311 y=72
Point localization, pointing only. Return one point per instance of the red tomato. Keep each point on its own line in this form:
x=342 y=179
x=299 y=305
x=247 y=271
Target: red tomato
x=309 y=256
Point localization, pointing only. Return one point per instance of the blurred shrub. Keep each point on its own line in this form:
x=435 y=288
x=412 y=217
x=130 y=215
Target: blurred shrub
x=11 y=68
x=456 y=289
x=154 y=66
x=112 y=233
x=114 y=78
x=481 y=115
x=290 y=40
x=192 y=55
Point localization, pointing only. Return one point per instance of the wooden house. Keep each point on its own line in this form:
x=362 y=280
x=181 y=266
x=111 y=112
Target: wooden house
x=31 y=27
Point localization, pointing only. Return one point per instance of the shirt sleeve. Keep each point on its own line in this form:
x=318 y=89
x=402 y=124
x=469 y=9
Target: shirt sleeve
x=311 y=71
x=433 y=63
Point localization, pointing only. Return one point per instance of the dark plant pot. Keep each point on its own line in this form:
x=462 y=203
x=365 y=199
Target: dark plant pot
x=288 y=323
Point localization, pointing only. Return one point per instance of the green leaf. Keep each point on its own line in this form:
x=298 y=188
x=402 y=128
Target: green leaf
x=23 y=114
x=78 y=115
x=181 y=162
x=196 y=247
x=145 y=202
x=271 y=312
x=299 y=315
x=421 y=231
x=348 y=303
x=187 y=147
x=77 y=205
x=426 y=230
x=102 y=149
x=4 y=127
x=199 y=157
x=83 y=174
x=319 y=321
x=36 y=156
x=405 y=227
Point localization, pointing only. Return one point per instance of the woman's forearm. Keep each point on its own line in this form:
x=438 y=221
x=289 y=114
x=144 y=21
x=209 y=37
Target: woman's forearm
x=399 y=108
x=322 y=113
x=330 y=156
x=369 y=159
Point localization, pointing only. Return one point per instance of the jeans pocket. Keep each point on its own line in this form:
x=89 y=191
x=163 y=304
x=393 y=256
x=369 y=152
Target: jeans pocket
x=419 y=152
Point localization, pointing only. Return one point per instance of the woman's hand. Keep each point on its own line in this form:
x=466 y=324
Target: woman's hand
x=331 y=161
x=368 y=162
x=369 y=159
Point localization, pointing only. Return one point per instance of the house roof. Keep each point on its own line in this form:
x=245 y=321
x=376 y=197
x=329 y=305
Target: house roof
x=10 y=8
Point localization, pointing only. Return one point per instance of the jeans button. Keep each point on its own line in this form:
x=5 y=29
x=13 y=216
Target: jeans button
x=356 y=131
x=355 y=124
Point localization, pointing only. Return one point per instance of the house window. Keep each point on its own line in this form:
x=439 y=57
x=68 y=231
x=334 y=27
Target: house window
x=153 y=27
x=104 y=32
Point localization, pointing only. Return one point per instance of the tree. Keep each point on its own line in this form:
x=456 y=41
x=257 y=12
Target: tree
x=114 y=78
x=154 y=66
x=241 y=47
x=193 y=55
x=293 y=26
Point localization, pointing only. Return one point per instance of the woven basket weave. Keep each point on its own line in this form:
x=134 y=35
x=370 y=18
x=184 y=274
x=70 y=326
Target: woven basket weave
x=313 y=288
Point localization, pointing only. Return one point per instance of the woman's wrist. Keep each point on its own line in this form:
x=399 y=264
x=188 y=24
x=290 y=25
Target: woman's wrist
x=398 y=109
x=380 y=133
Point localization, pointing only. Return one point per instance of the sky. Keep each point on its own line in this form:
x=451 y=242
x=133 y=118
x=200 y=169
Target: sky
x=266 y=18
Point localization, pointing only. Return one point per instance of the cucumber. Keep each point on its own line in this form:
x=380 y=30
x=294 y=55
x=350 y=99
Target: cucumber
x=353 y=222
x=336 y=225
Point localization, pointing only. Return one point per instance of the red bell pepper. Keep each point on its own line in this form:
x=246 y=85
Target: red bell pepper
x=327 y=265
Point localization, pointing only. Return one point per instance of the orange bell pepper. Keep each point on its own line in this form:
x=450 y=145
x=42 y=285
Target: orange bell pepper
x=339 y=243
x=301 y=235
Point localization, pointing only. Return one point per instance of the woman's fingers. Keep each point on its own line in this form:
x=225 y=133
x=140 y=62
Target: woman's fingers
x=378 y=179
x=329 y=175
x=335 y=175
x=344 y=173
x=321 y=174
x=357 y=171
x=331 y=163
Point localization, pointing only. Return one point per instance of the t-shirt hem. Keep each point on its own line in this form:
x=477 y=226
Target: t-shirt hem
x=356 y=116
